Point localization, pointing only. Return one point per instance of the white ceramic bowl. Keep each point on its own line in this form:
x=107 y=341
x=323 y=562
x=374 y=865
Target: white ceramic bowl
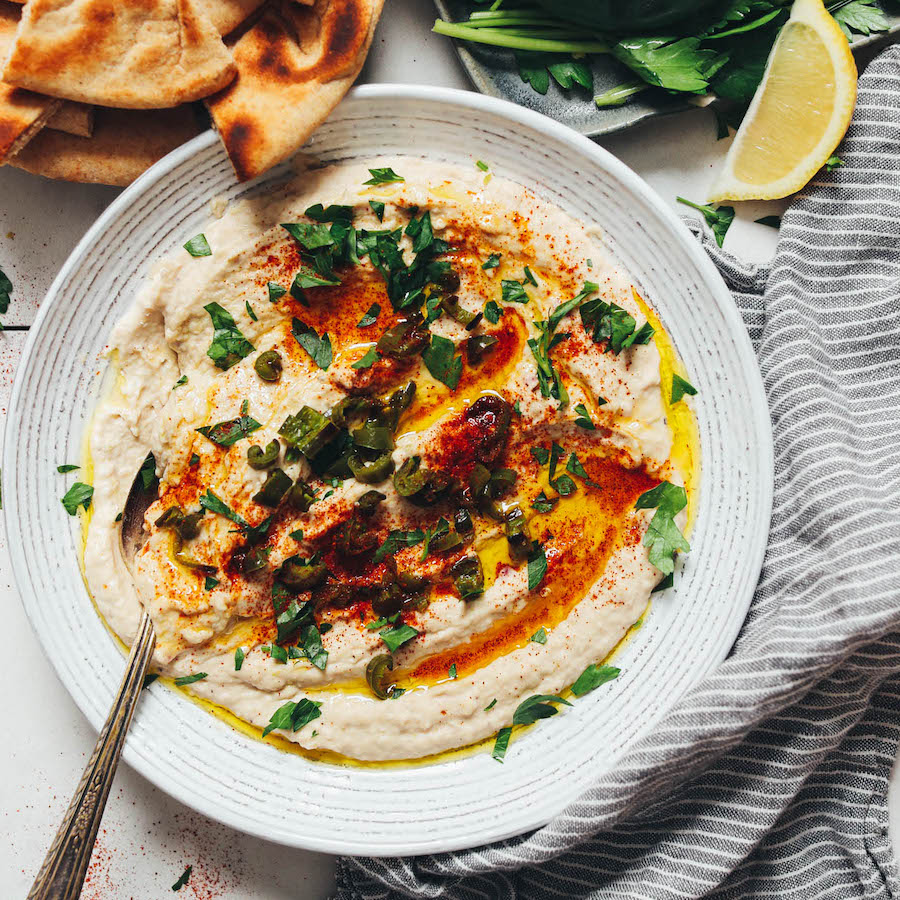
x=468 y=801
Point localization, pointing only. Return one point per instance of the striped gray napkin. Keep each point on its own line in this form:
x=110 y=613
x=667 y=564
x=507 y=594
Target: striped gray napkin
x=770 y=777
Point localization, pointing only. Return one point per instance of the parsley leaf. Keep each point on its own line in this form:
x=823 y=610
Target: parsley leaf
x=561 y=311
x=771 y=221
x=592 y=677
x=181 y=381
x=539 y=706
x=501 y=743
x=540 y=636
x=307 y=278
x=183 y=880
x=276 y=291
x=569 y=72
x=198 y=246
x=239 y=656
x=832 y=163
x=610 y=324
x=397 y=636
x=482 y=165
x=190 y=679
x=537 y=566
x=665 y=584
x=367 y=360
x=209 y=583
x=334 y=213
x=863 y=16
x=67 y=467
x=5 y=291
x=228 y=345
x=491 y=705
x=533 y=70
x=216 y=505
x=378 y=209
x=77 y=495
x=491 y=262
x=680 y=387
x=513 y=291
x=584 y=418
x=383 y=176
x=719 y=218
x=250 y=311
x=452 y=671
x=679 y=65
x=395 y=541
x=492 y=312
x=442 y=362
x=543 y=504
x=576 y=468
x=663 y=536
x=311 y=638
x=370 y=317
x=293 y=716
x=319 y=348
x=227 y=433
x=541 y=455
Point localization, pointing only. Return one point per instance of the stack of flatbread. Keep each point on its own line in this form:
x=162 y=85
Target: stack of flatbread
x=99 y=90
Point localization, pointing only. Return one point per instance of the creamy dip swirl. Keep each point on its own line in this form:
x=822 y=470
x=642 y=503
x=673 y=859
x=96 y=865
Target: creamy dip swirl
x=529 y=461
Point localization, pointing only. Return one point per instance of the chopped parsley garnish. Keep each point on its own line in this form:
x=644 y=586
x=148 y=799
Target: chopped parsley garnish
x=276 y=292
x=147 y=472
x=190 y=679
x=5 y=292
x=250 y=311
x=564 y=485
x=209 y=583
x=370 y=317
x=543 y=504
x=541 y=455
x=540 y=706
x=561 y=311
x=319 y=348
x=592 y=677
x=584 y=418
x=719 y=218
x=180 y=382
x=611 y=325
x=491 y=705
x=397 y=636
x=665 y=584
x=367 y=360
x=297 y=535
x=216 y=505
x=771 y=221
x=311 y=639
x=194 y=459
x=307 y=278
x=67 y=467
x=663 y=536
x=577 y=469
x=833 y=162
x=228 y=345
x=452 y=671
x=198 y=246
x=529 y=277
x=537 y=566
x=239 y=657
x=602 y=401
x=513 y=291
x=482 y=165
x=383 y=176
x=491 y=262
x=77 y=495
x=492 y=312
x=227 y=433
x=442 y=362
x=680 y=387
x=293 y=716
x=540 y=636
x=395 y=541
x=501 y=743
x=149 y=678
x=333 y=213
x=183 y=880
x=378 y=209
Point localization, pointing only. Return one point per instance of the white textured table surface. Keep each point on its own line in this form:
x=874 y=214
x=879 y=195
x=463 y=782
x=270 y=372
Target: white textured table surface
x=147 y=838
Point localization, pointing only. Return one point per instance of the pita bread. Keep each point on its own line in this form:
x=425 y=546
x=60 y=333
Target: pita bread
x=125 y=143
x=226 y=15
x=73 y=118
x=22 y=113
x=294 y=66
x=137 y=54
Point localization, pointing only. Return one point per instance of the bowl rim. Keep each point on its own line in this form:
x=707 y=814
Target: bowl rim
x=588 y=150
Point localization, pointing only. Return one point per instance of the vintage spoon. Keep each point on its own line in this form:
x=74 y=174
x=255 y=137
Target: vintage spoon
x=62 y=873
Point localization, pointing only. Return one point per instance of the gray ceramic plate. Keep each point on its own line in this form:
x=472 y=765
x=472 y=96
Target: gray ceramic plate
x=493 y=71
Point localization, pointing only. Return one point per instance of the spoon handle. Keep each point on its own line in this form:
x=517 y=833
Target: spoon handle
x=62 y=873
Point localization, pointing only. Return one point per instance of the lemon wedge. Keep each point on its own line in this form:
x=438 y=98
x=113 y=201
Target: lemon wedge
x=799 y=113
